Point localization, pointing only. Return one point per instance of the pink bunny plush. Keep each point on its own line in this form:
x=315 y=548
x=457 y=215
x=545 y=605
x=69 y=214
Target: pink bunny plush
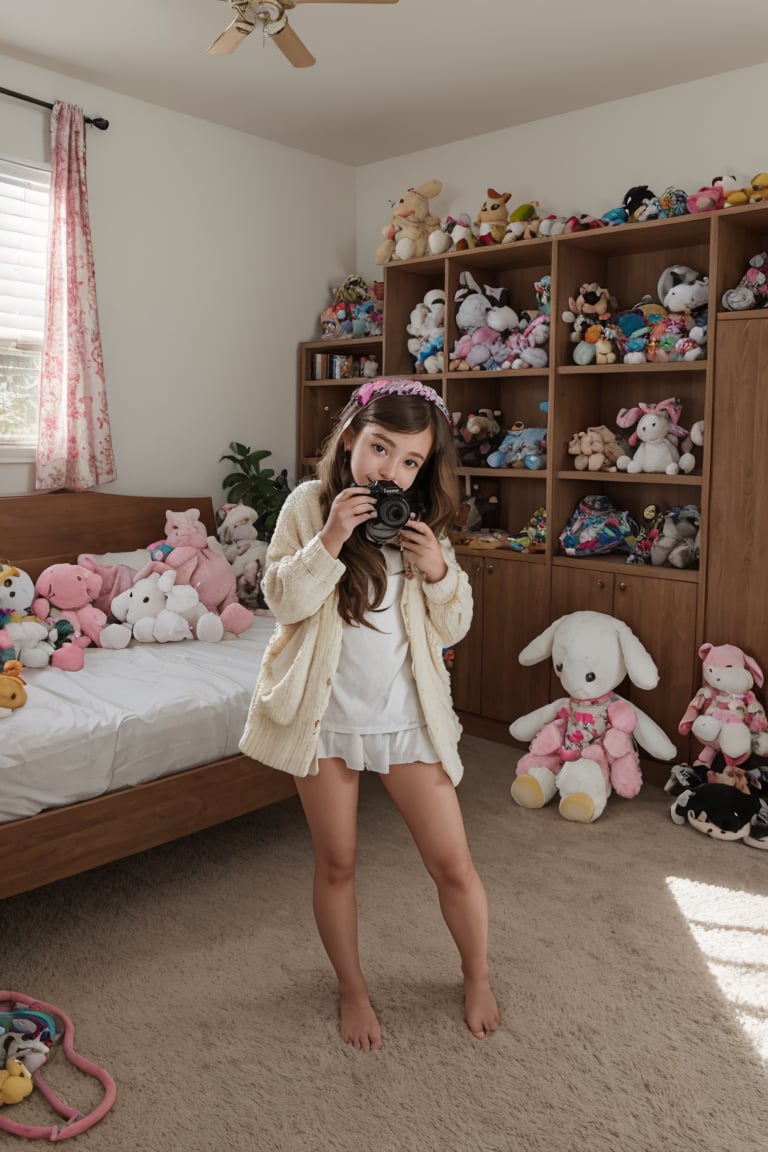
x=197 y=560
x=67 y=592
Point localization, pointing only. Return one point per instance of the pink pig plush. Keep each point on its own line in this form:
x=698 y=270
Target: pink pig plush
x=67 y=592
x=197 y=561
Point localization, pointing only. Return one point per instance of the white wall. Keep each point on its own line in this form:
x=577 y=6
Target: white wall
x=583 y=161
x=209 y=270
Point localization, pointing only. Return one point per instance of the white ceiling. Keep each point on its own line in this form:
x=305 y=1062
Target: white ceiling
x=394 y=79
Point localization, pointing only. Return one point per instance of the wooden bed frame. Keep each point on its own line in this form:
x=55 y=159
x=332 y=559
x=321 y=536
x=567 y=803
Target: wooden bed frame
x=50 y=528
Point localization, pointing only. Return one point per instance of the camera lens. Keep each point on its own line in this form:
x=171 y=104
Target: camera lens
x=393 y=511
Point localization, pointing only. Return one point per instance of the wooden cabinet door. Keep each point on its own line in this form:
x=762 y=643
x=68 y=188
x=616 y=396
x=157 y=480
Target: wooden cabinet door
x=467 y=675
x=515 y=610
x=579 y=589
x=662 y=614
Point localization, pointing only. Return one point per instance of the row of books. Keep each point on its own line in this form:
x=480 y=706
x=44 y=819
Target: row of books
x=342 y=366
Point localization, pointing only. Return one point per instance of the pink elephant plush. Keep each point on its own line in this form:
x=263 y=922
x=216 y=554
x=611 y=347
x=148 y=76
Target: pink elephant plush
x=197 y=560
x=67 y=592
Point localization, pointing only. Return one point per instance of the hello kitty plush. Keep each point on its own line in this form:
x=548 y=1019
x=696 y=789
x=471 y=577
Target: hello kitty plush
x=585 y=744
x=725 y=715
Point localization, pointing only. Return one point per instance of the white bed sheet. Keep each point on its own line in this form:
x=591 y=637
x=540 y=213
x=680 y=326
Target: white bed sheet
x=127 y=717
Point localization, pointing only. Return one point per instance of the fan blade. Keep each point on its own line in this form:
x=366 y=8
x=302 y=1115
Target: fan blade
x=293 y=48
x=230 y=38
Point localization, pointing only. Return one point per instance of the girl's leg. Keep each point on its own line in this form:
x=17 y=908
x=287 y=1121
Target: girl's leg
x=330 y=805
x=427 y=800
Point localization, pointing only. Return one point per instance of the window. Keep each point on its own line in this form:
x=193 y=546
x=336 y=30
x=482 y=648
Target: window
x=24 y=200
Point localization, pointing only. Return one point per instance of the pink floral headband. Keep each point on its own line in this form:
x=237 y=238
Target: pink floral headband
x=373 y=388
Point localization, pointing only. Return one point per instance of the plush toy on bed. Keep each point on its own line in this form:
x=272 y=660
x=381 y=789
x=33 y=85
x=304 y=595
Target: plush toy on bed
x=66 y=593
x=585 y=744
x=32 y=640
x=197 y=559
x=725 y=714
x=156 y=609
x=13 y=693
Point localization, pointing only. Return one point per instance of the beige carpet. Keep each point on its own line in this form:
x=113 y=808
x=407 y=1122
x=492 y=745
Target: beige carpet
x=630 y=960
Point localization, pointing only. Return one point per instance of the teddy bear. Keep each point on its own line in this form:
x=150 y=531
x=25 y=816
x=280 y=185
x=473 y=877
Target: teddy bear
x=725 y=714
x=752 y=289
x=490 y=224
x=407 y=234
x=659 y=433
x=584 y=745
x=13 y=693
x=67 y=593
x=196 y=558
x=595 y=450
x=156 y=609
x=426 y=331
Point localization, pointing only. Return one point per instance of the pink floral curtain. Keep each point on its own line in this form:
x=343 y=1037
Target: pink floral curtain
x=74 y=442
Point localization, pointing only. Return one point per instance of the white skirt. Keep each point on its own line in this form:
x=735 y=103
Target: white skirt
x=376 y=751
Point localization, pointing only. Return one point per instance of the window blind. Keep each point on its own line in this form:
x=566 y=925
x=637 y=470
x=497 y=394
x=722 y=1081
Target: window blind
x=24 y=204
x=24 y=196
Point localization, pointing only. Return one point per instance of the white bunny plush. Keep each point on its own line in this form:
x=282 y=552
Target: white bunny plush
x=585 y=743
x=155 y=609
x=663 y=446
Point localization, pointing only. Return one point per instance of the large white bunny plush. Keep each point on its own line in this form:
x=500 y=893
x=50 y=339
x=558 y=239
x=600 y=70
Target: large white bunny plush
x=156 y=610
x=584 y=744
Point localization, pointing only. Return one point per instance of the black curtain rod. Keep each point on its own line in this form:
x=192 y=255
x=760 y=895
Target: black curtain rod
x=97 y=121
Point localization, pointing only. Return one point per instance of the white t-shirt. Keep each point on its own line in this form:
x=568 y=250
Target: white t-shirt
x=373 y=689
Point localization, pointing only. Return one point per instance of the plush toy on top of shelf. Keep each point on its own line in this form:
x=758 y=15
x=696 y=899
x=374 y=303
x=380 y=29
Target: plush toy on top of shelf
x=426 y=332
x=491 y=221
x=712 y=197
x=584 y=745
x=459 y=232
x=523 y=223
x=407 y=234
x=754 y=193
x=660 y=444
x=672 y=202
x=752 y=289
x=635 y=199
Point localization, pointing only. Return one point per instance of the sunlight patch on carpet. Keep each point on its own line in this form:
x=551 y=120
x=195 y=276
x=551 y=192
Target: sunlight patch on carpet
x=731 y=929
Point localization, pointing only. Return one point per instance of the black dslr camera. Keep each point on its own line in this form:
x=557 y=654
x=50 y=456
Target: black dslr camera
x=394 y=508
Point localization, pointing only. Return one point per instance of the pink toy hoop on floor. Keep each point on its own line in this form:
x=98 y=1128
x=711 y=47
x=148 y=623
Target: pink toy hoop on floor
x=76 y=1122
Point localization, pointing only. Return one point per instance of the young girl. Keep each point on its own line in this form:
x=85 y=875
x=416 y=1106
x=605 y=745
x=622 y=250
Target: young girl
x=353 y=676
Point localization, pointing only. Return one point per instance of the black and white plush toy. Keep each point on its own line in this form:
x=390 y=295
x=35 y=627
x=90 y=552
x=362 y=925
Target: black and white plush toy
x=725 y=801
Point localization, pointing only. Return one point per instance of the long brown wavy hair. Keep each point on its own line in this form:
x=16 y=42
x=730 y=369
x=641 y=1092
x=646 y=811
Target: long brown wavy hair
x=436 y=488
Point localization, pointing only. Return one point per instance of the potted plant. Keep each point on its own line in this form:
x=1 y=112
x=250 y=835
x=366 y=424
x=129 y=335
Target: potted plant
x=255 y=486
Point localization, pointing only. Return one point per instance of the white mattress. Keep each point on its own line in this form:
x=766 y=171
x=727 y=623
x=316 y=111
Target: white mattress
x=127 y=717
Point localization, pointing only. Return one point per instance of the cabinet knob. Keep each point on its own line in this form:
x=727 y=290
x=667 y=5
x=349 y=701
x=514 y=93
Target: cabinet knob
x=489 y=569
x=478 y=570
x=622 y=586
x=601 y=583
x=326 y=408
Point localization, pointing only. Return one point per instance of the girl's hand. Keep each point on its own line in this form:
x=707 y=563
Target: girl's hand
x=352 y=506
x=420 y=547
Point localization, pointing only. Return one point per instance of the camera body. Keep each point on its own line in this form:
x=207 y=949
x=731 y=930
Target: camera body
x=394 y=508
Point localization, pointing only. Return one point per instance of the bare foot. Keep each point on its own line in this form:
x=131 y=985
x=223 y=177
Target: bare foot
x=359 y=1026
x=482 y=1011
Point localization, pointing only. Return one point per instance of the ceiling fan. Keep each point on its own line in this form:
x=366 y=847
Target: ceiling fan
x=271 y=15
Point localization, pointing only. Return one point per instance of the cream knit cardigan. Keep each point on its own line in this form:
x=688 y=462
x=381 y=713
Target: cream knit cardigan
x=294 y=684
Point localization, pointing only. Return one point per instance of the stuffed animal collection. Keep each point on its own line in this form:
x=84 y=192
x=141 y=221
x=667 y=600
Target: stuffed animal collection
x=426 y=332
x=752 y=290
x=726 y=802
x=583 y=745
x=492 y=334
x=414 y=231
